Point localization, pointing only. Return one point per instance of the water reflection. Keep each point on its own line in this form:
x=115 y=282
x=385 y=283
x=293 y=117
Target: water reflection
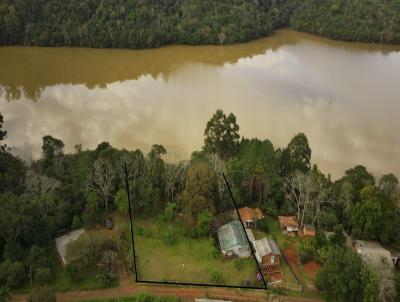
x=344 y=96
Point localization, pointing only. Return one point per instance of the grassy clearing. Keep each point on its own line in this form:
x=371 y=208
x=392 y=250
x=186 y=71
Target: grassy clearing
x=188 y=260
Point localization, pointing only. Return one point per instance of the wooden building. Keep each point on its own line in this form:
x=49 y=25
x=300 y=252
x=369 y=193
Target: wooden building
x=308 y=230
x=289 y=225
x=268 y=255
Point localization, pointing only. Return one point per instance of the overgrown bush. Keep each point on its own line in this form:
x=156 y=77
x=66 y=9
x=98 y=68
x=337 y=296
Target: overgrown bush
x=217 y=277
x=307 y=250
x=238 y=264
x=105 y=278
x=143 y=231
x=214 y=251
x=71 y=270
x=12 y=274
x=87 y=249
x=42 y=275
x=108 y=266
x=169 y=238
x=307 y=255
x=263 y=225
x=170 y=212
x=4 y=294
x=204 y=222
x=76 y=223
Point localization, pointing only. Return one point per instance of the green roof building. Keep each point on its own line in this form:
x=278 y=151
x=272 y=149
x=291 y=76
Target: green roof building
x=233 y=240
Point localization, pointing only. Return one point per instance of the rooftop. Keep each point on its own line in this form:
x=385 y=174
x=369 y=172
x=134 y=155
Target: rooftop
x=374 y=254
x=232 y=234
x=249 y=214
x=288 y=221
x=266 y=246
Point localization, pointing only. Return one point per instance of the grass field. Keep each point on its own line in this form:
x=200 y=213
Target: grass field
x=188 y=260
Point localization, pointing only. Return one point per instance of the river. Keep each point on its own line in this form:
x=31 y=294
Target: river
x=344 y=96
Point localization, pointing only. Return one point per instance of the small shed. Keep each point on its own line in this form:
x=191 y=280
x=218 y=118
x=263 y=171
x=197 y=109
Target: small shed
x=250 y=216
x=308 y=230
x=289 y=225
x=63 y=241
x=268 y=254
x=233 y=241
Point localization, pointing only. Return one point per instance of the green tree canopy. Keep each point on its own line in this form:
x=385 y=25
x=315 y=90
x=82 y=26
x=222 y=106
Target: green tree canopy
x=345 y=278
x=367 y=215
x=52 y=147
x=199 y=190
x=389 y=183
x=221 y=135
x=296 y=156
x=358 y=177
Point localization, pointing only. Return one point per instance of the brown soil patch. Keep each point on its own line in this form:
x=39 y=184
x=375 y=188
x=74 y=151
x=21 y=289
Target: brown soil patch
x=275 y=277
x=312 y=268
x=292 y=257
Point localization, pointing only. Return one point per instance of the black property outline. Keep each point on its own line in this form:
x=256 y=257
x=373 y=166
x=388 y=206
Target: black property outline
x=187 y=283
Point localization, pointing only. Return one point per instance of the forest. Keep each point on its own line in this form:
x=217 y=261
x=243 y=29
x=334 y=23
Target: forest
x=148 y=24
x=60 y=192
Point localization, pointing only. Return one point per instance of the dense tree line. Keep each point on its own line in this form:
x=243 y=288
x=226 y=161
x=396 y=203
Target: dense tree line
x=130 y=23
x=145 y=24
x=60 y=192
x=350 y=20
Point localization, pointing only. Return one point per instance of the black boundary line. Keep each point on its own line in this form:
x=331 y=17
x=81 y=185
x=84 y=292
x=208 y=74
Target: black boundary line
x=181 y=283
x=244 y=230
x=130 y=218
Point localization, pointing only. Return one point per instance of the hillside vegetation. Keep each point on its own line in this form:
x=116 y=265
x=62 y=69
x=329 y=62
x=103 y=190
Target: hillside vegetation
x=152 y=23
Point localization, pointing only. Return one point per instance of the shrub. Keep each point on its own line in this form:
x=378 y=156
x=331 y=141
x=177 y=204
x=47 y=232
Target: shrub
x=4 y=294
x=307 y=250
x=105 y=278
x=214 y=251
x=307 y=255
x=263 y=225
x=238 y=264
x=204 y=222
x=76 y=223
x=170 y=212
x=13 y=251
x=71 y=270
x=43 y=294
x=193 y=233
x=217 y=277
x=139 y=231
x=121 y=201
x=338 y=237
x=42 y=275
x=12 y=274
x=169 y=238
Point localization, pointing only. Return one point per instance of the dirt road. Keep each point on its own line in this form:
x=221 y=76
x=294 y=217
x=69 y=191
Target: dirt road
x=186 y=293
